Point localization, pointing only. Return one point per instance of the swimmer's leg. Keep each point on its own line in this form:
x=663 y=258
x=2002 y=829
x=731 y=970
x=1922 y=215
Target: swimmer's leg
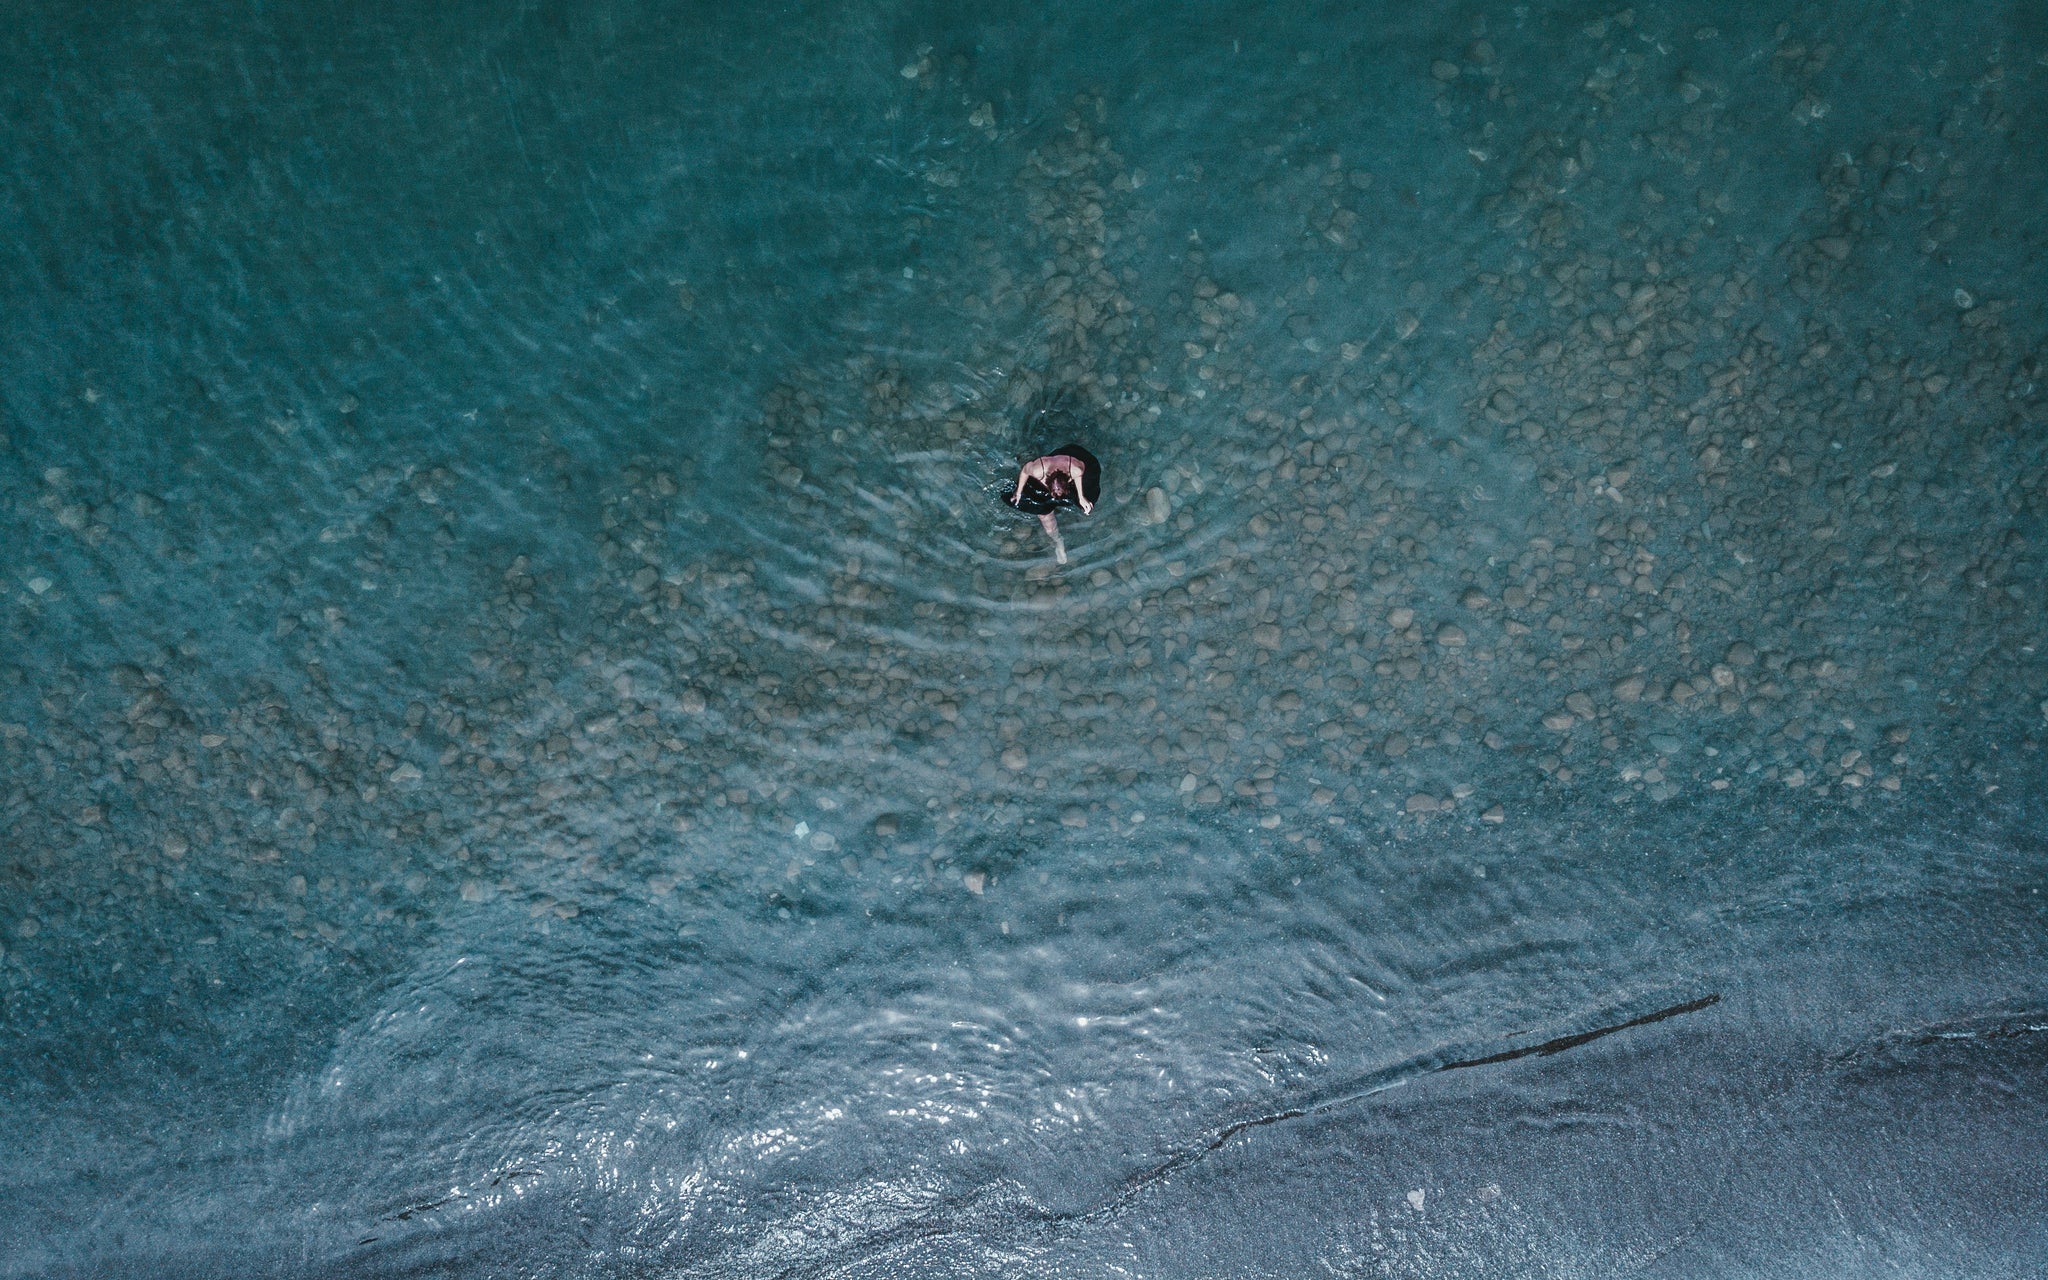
x=1050 y=523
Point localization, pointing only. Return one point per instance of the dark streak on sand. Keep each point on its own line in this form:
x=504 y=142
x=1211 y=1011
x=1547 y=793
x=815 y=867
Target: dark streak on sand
x=1381 y=1082
x=1563 y=1043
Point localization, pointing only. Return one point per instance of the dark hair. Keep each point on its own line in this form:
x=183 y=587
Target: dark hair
x=1038 y=499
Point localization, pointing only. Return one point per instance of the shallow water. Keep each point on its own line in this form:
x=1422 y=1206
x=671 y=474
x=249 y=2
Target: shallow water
x=530 y=747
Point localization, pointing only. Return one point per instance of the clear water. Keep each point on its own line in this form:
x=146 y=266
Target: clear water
x=529 y=746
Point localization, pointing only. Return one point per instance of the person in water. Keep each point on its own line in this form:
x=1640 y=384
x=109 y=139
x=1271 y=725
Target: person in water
x=1068 y=477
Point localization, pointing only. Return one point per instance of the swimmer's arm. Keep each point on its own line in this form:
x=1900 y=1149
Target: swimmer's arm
x=1032 y=470
x=1077 y=469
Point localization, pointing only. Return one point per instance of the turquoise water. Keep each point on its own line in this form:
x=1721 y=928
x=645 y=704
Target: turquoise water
x=530 y=746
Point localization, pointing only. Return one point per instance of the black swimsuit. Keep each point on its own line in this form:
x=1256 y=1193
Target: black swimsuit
x=1038 y=499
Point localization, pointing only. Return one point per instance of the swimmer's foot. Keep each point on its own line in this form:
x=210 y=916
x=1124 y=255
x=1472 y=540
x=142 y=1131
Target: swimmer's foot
x=1051 y=525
